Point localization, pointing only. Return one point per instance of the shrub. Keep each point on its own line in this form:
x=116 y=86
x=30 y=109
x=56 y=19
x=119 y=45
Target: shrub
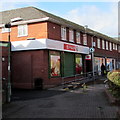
x=114 y=83
x=114 y=77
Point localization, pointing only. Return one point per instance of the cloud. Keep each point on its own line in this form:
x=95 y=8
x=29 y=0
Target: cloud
x=102 y=20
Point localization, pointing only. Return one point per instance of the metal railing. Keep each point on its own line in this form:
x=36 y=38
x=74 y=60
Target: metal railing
x=85 y=77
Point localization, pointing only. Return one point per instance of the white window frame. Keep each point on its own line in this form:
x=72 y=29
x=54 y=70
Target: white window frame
x=106 y=45
x=103 y=44
x=119 y=48
x=5 y=30
x=22 y=30
x=63 y=33
x=85 y=39
x=71 y=35
x=116 y=47
x=113 y=46
x=78 y=38
x=110 y=44
x=98 y=42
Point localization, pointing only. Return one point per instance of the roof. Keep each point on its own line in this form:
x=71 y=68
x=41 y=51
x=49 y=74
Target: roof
x=29 y=13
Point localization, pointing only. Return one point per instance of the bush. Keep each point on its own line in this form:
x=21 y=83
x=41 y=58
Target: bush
x=114 y=77
x=114 y=83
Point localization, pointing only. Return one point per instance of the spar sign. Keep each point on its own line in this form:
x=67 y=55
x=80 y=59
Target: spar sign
x=70 y=47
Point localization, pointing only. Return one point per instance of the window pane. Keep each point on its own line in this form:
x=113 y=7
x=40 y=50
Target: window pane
x=98 y=43
x=71 y=36
x=84 y=39
x=6 y=29
x=55 y=63
x=78 y=37
x=22 y=30
x=110 y=46
x=103 y=44
x=63 y=33
x=106 y=45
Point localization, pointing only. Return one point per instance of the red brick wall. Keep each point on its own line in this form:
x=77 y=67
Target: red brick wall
x=36 y=30
x=28 y=65
x=89 y=41
x=54 y=31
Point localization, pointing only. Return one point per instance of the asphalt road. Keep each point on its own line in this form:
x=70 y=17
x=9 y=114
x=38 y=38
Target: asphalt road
x=59 y=103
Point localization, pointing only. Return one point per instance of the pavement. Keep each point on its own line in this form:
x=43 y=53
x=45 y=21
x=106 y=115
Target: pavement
x=57 y=102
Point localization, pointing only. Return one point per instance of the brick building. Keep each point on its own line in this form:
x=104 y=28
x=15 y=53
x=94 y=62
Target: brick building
x=45 y=48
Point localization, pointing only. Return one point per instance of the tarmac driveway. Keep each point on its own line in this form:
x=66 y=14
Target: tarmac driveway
x=59 y=103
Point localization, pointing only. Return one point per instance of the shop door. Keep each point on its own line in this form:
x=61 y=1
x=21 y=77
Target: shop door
x=88 y=65
x=69 y=64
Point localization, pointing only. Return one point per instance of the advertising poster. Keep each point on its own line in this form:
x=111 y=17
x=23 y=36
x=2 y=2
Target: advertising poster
x=78 y=64
x=55 y=65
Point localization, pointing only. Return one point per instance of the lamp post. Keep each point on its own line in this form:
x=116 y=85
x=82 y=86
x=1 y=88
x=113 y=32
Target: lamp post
x=93 y=59
x=91 y=51
x=8 y=25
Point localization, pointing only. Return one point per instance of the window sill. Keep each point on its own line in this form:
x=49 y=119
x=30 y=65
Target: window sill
x=63 y=39
x=6 y=32
x=23 y=36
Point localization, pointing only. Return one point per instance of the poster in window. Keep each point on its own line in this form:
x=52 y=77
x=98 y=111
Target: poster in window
x=55 y=65
x=78 y=64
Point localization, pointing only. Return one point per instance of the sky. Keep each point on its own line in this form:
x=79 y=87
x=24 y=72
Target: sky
x=101 y=16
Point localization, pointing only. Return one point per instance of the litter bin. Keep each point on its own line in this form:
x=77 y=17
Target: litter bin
x=38 y=83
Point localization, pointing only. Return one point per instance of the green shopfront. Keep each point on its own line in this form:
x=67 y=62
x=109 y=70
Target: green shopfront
x=65 y=64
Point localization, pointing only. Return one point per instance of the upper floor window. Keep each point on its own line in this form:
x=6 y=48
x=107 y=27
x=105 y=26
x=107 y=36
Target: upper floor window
x=63 y=33
x=84 y=39
x=22 y=30
x=106 y=45
x=103 y=44
x=78 y=37
x=6 y=30
x=110 y=46
x=98 y=43
x=119 y=49
x=116 y=47
x=71 y=35
x=113 y=46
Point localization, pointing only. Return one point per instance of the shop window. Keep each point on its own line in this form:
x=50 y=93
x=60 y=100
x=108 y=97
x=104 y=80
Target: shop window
x=22 y=30
x=110 y=64
x=103 y=44
x=63 y=33
x=79 y=65
x=78 y=37
x=98 y=43
x=106 y=45
x=84 y=39
x=54 y=63
x=71 y=35
x=98 y=63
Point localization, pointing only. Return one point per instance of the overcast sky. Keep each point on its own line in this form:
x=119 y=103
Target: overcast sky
x=99 y=16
